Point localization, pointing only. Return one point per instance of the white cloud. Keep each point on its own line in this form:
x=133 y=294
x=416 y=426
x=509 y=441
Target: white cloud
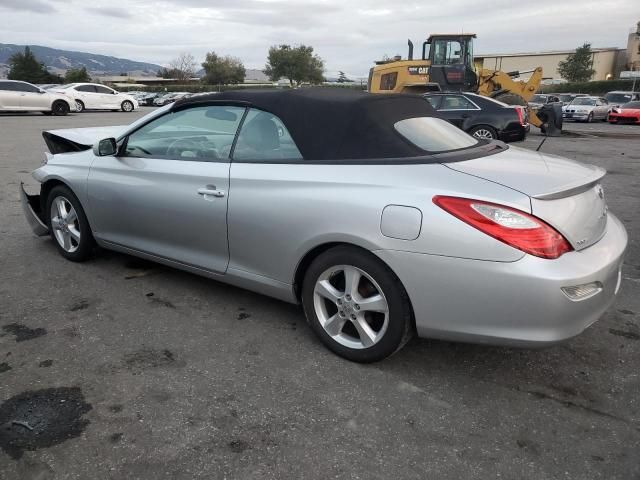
x=350 y=36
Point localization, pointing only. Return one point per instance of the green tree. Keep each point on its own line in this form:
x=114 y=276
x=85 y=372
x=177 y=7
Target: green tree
x=342 y=77
x=297 y=64
x=577 y=66
x=221 y=70
x=26 y=67
x=77 y=75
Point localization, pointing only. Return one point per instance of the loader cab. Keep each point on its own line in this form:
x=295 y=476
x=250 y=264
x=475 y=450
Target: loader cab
x=451 y=59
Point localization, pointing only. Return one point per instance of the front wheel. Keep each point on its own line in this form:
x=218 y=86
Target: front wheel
x=590 y=118
x=483 y=132
x=79 y=106
x=60 y=108
x=127 y=106
x=356 y=305
x=68 y=225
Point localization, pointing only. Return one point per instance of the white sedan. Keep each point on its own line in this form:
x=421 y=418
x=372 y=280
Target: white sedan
x=586 y=109
x=18 y=96
x=93 y=96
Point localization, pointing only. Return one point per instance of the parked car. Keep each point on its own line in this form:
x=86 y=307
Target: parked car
x=380 y=218
x=627 y=113
x=147 y=100
x=481 y=117
x=538 y=100
x=169 y=98
x=566 y=98
x=18 y=96
x=620 y=97
x=93 y=96
x=586 y=109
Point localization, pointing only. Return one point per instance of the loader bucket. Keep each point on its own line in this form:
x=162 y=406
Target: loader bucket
x=551 y=116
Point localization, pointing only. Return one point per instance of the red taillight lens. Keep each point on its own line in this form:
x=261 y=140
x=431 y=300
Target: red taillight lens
x=513 y=227
x=520 y=111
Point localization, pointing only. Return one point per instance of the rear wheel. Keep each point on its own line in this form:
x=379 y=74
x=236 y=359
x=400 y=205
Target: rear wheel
x=483 y=132
x=356 y=305
x=127 y=106
x=60 y=107
x=68 y=224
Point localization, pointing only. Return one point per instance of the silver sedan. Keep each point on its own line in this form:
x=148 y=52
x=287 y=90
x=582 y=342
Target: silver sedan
x=381 y=219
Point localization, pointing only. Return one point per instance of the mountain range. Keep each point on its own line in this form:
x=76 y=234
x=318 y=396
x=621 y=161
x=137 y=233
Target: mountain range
x=59 y=61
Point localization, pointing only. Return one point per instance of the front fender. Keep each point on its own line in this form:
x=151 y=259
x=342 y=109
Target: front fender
x=31 y=206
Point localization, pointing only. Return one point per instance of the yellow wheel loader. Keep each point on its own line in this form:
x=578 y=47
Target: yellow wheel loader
x=447 y=65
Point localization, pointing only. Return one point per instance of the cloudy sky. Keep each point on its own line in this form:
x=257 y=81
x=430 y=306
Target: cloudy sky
x=348 y=34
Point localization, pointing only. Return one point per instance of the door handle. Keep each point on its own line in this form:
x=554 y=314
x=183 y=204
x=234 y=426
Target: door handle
x=211 y=190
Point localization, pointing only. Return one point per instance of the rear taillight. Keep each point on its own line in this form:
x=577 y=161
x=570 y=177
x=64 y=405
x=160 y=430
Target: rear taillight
x=513 y=227
x=521 y=116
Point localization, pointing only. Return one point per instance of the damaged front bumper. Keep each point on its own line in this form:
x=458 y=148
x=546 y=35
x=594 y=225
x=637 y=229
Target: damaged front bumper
x=33 y=212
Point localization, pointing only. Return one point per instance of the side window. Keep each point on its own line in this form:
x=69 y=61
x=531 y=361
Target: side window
x=264 y=137
x=388 y=81
x=434 y=100
x=86 y=88
x=103 y=90
x=7 y=86
x=202 y=134
x=24 y=87
x=457 y=102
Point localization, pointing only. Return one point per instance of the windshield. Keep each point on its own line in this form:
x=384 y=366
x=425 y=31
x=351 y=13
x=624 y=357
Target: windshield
x=539 y=99
x=617 y=97
x=583 y=101
x=566 y=97
x=434 y=134
x=631 y=105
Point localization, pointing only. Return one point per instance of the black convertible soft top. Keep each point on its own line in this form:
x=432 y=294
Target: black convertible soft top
x=333 y=123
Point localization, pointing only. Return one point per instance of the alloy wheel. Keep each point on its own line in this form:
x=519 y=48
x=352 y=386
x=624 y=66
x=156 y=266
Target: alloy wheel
x=483 y=134
x=65 y=224
x=127 y=106
x=350 y=306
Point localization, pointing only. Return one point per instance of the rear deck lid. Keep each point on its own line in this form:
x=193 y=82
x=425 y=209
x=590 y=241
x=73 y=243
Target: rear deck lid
x=564 y=193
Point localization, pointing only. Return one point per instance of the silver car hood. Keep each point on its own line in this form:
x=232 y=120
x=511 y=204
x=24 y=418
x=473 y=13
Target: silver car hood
x=535 y=174
x=78 y=139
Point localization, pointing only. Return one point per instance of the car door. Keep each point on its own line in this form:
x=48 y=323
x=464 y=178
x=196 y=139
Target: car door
x=87 y=95
x=457 y=109
x=108 y=97
x=32 y=98
x=9 y=97
x=602 y=108
x=165 y=193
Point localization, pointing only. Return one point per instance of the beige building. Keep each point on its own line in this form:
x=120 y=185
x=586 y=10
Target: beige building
x=607 y=62
x=633 y=49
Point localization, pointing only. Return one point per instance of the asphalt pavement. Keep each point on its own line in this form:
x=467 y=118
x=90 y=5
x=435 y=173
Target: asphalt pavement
x=123 y=369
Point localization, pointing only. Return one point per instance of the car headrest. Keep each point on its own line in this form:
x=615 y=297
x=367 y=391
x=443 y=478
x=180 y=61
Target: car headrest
x=261 y=133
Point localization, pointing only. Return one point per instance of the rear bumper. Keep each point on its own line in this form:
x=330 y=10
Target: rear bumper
x=32 y=211
x=513 y=135
x=516 y=304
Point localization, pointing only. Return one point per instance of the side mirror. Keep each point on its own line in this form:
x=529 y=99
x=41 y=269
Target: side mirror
x=42 y=91
x=105 y=147
x=115 y=92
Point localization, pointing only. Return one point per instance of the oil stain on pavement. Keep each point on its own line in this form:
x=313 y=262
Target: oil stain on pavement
x=22 y=332
x=40 y=419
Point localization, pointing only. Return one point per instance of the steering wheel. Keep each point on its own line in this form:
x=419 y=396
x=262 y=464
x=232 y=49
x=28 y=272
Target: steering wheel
x=181 y=145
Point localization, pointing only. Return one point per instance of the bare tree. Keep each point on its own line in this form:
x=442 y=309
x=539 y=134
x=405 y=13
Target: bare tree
x=183 y=67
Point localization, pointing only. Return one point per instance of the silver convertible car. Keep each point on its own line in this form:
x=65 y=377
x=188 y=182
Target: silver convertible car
x=378 y=217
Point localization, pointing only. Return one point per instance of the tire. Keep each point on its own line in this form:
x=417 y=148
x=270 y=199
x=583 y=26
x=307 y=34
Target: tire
x=590 y=117
x=79 y=106
x=483 y=132
x=60 y=108
x=342 y=321
x=61 y=204
x=127 y=106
